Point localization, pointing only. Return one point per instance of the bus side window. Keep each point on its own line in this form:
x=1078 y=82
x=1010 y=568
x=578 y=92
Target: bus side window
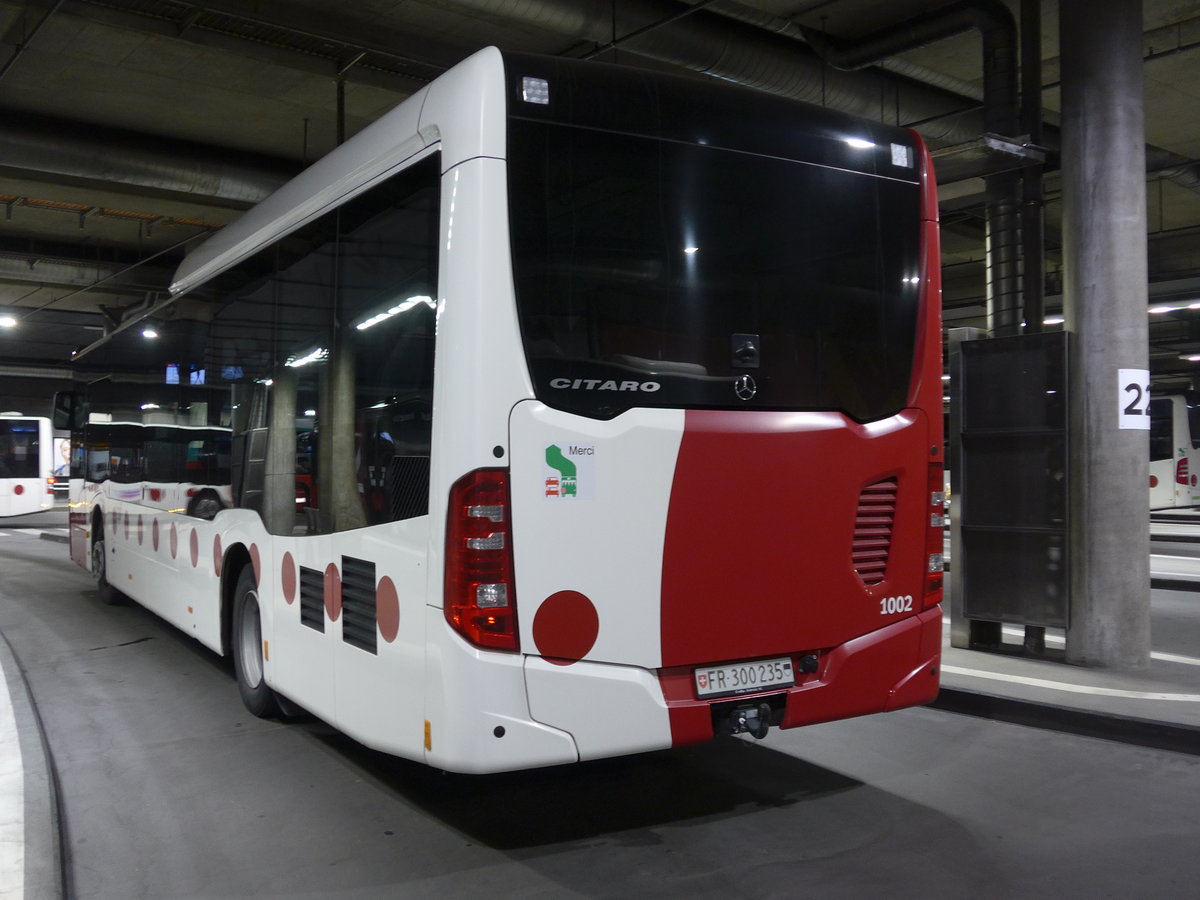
x=343 y=315
x=388 y=284
x=1162 y=444
x=1193 y=420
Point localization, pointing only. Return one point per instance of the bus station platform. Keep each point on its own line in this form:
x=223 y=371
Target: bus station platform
x=1158 y=706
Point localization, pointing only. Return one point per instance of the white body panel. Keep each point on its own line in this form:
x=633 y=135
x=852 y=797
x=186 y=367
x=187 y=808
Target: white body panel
x=608 y=710
x=470 y=694
x=1166 y=492
x=589 y=543
x=26 y=494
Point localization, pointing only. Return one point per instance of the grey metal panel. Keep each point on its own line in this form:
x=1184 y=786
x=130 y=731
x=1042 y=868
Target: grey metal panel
x=1013 y=494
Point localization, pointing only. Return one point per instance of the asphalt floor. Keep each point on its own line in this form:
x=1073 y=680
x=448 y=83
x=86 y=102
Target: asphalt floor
x=1156 y=706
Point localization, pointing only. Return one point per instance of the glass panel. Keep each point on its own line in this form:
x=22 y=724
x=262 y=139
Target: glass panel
x=331 y=336
x=1162 y=441
x=652 y=273
x=19 y=448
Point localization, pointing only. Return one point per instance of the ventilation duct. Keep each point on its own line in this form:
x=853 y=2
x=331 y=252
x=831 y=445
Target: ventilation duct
x=36 y=147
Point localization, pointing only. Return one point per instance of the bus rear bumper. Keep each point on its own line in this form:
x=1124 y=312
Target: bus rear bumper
x=891 y=668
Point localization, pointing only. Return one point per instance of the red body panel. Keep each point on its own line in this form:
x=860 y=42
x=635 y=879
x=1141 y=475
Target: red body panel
x=757 y=554
x=754 y=489
x=889 y=669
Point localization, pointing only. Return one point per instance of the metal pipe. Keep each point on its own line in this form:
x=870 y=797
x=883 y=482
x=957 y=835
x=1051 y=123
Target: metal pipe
x=151 y=165
x=736 y=51
x=1033 y=287
x=24 y=45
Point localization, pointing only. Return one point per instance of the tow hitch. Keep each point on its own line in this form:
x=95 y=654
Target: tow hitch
x=750 y=719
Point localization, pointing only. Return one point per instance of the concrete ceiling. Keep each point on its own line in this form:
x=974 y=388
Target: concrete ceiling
x=133 y=127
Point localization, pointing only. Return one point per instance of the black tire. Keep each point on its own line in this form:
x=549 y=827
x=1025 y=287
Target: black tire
x=247 y=649
x=105 y=592
x=205 y=505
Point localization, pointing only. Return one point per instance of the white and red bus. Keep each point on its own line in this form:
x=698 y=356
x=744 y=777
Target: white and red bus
x=26 y=464
x=615 y=403
x=1174 y=450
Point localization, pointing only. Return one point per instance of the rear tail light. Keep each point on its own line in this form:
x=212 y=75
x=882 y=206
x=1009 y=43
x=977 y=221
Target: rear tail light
x=50 y=485
x=480 y=602
x=1181 y=471
x=935 y=536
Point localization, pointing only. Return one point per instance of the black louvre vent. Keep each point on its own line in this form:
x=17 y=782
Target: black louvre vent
x=358 y=603
x=312 y=598
x=408 y=486
x=873 y=530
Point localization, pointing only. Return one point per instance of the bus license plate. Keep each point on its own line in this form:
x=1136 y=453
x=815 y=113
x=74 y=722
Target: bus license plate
x=744 y=678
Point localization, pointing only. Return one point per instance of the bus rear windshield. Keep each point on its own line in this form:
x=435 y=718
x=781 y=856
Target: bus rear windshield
x=19 y=449
x=657 y=273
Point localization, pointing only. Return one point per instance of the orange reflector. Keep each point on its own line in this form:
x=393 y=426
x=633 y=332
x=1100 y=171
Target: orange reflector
x=267 y=650
x=428 y=739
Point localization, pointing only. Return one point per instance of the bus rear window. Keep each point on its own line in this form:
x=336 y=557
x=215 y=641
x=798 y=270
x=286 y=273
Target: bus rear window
x=657 y=273
x=19 y=449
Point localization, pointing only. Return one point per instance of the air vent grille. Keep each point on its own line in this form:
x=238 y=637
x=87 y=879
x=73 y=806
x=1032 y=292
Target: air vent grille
x=873 y=530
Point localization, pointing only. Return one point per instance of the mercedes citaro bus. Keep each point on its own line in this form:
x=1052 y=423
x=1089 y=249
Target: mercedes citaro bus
x=572 y=410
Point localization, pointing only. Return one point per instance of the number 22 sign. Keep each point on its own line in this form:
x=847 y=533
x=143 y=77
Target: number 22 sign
x=1135 y=398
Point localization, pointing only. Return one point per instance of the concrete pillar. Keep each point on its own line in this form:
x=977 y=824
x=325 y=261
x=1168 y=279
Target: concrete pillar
x=1105 y=301
x=279 y=481
x=345 y=503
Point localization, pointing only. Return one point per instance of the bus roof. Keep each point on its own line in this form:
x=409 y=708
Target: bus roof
x=432 y=115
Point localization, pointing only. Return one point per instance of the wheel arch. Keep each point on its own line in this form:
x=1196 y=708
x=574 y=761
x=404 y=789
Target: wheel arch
x=236 y=558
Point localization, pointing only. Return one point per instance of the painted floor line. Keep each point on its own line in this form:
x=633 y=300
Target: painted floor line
x=1070 y=688
x=1175 y=658
x=1057 y=640
x=12 y=801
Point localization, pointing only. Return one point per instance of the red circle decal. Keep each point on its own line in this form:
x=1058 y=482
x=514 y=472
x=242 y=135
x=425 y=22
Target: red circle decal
x=333 y=592
x=194 y=547
x=125 y=518
x=565 y=627
x=174 y=541
x=18 y=489
x=217 y=555
x=154 y=534
x=288 y=576
x=387 y=609
x=256 y=561
x=141 y=529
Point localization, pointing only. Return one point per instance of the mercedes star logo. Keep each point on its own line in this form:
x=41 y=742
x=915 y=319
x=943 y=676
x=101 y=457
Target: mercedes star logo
x=745 y=387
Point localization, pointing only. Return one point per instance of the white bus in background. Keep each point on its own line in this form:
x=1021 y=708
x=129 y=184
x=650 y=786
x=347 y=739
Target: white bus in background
x=26 y=464
x=1174 y=450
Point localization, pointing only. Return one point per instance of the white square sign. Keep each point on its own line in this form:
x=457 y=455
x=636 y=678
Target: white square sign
x=1134 y=391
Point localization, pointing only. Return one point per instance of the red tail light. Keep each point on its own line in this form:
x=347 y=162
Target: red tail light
x=1181 y=471
x=936 y=536
x=50 y=485
x=480 y=596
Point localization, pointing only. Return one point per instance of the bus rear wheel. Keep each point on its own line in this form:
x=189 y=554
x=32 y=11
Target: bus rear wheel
x=107 y=594
x=259 y=699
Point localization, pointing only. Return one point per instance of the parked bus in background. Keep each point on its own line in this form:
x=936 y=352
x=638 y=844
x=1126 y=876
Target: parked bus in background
x=26 y=464
x=615 y=400
x=1174 y=450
